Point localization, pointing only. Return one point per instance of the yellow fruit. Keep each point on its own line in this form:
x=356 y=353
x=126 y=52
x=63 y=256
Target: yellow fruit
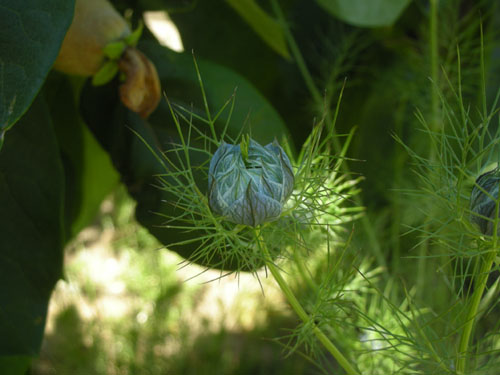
x=95 y=24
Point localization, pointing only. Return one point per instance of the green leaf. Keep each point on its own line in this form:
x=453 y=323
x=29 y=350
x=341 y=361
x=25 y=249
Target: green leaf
x=133 y=38
x=31 y=222
x=98 y=179
x=106 y=118
x=363 y=13
x=105 y=74
x=266 y=27
x=114 y=50
x=14 y=365
x=89 y=174
x=32 y=33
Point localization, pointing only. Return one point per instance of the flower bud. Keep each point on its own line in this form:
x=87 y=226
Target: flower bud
x=482 y=202
x=249 y=190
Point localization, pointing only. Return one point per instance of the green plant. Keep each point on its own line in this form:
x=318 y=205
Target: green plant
x=60 y=134
x=244 y=219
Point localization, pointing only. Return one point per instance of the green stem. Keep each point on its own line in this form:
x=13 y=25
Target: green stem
x=470 y=319
x=399 y=165
x=434 y=64
x=434 y=126
x=483 y=75
x=479 y=285
x=297 y=307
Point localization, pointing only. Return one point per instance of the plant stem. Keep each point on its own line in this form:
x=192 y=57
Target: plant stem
x=480 y=284
x=435 y=127
x=399 y=165
x=297 y=307
x=434 y=64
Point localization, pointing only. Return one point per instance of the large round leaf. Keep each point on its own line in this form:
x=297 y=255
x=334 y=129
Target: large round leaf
x=371 y=13
x=89 y=174
x=32 y=33
x=180 y=82
x=31 y=222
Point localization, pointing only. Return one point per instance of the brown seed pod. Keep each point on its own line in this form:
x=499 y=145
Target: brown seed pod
x=141 y=91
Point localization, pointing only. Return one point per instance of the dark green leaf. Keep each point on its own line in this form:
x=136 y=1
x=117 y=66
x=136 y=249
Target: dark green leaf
x=31 y=222
x=213 y=32
x=14 y=365
x=252 y=111
x=88 y=171
x=32 y=33
x=372 y=13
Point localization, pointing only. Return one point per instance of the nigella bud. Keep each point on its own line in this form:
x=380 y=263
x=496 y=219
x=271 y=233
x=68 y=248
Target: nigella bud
x=250 y=185
x=482 y=202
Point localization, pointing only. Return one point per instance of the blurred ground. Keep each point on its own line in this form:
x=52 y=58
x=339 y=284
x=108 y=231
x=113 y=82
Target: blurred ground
x=128 y=306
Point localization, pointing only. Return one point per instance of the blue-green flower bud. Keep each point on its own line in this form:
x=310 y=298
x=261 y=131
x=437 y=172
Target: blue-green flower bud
x=249 y=190
x=482 y=202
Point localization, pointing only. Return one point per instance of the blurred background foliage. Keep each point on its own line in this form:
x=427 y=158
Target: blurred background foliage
x=67 y=145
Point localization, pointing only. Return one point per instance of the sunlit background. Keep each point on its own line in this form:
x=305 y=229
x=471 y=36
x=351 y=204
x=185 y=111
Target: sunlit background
x=164 y=30
x=127 y=305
